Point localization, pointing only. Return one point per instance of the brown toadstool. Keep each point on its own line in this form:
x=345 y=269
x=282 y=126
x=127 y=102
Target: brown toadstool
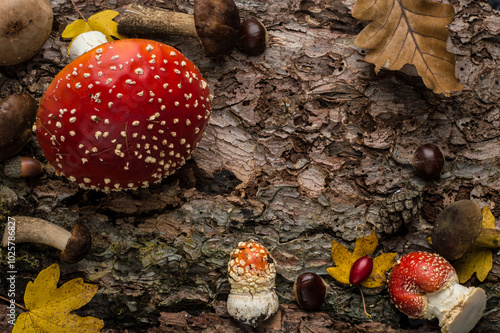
x=215 y=22
x=74 y=245
x=424 y=285
x=17 y=115
x=25 y=25
x=123 y=115
x=459 y=227
x=252 y=273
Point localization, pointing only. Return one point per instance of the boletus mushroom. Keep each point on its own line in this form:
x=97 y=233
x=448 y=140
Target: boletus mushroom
x=459 y=227
x=216 y=23
x=425 y=286
x=252 y=274
x=74 y=245
x=25 y=25
x=17 y=115
x=123 y=115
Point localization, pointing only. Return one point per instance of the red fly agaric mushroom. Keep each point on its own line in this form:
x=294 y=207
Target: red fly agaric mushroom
x=424 y=285
x=123 y=115
x=25 y=25
x=74 y=245
x=252 y=272
x=215 y=22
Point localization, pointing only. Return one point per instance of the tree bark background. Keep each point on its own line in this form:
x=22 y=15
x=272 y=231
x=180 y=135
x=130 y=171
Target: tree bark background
x=305 y=145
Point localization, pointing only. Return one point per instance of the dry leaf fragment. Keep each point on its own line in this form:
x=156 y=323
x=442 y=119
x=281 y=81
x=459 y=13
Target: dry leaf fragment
x=364 y=246
x=49 y=307
x=477 y=260
x=409 y=32
x=102 y=22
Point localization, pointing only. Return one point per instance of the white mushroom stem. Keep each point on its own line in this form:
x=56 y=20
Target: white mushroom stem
x=251 y=309
x=457 y=307
x=86 y=42
x=36 y=230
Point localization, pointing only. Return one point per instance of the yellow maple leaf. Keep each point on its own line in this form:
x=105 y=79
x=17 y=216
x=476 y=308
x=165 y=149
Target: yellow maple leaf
x=102 y=21
x=364 y=246
x=409 y=32
x=477 y=260
x=49 y=307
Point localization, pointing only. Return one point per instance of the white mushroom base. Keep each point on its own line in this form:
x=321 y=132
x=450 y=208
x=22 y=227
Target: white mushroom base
x=253 y=309
x=458 y=308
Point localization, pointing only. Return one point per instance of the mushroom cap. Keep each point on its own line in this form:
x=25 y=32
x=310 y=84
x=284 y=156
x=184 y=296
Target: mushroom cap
x=456 y=229
x=25 y=25
x=251 y=268
x=217 y=25
x=123 y=115
x=78 y=245
x=415 y=275
x=17 y=115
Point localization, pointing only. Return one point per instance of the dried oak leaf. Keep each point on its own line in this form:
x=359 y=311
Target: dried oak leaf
x=344 y=260
x=102 y=22
x=477 y=260
x=49 y=307
x=409 y=32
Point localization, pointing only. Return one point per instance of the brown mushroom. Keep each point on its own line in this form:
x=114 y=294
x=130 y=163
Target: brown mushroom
x=17 y=115
x=459 y=227
x=74 y=245
x=25 y=25
x=215 y=22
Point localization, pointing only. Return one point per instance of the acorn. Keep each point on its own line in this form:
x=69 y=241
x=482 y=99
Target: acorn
x=21 y=167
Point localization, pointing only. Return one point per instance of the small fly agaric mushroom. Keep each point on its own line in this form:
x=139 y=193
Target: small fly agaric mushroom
x=123 y=115
x=17 y=115
x=252 y=272
x=459 y=227
x=424 y=285
x=309 y=290
x=215 y=22
x=17 y=167
x=74 y=245
x=25 y=25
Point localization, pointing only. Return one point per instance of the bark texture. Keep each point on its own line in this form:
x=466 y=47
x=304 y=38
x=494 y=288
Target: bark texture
x=305 y=145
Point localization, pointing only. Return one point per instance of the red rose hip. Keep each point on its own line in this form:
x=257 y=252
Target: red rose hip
x=123 y=115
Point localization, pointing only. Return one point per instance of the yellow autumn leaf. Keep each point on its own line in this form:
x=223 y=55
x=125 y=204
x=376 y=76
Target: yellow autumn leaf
x=364 y=246
x=49 y=308
x=477 y=260
x=102 y=21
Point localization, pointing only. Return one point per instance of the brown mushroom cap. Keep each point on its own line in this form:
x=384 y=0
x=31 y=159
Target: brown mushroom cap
x=25 y=25
x=456 y=229
x=78 y=245
x=17 y=115
x=217 y=25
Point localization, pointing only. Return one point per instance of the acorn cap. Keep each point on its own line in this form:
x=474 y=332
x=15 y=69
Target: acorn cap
x=456 y=229
x=78 y=245
x=217 y=25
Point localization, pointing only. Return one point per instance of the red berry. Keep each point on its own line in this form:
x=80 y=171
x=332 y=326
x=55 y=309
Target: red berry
x=361 y=270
